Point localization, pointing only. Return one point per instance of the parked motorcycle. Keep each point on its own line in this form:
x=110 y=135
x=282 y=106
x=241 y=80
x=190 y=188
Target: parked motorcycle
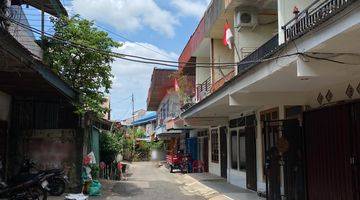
x=57 y=178
x=34 y=188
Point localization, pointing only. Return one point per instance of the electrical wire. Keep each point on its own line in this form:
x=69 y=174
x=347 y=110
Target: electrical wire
x=140 y=59
x=121 y=55
x=125 y=38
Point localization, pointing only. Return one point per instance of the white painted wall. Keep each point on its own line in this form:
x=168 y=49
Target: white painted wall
x=338 y=91
x=285 y=13
x=5 y=101
x=222 y=54
x=202 y=73
x=237 y=178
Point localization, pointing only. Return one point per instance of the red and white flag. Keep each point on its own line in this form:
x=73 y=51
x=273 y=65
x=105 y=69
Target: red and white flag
x=227 y=35
x=176 y=85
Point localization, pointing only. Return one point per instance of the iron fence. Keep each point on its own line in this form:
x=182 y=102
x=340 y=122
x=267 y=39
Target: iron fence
x=260 y=53
x=203 y=89
x=312 y=16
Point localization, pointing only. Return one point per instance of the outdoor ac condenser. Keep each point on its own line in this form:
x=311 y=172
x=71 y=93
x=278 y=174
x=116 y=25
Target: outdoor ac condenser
x=245 y=17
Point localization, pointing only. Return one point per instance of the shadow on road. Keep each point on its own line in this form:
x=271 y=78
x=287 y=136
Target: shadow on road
x=127 y=189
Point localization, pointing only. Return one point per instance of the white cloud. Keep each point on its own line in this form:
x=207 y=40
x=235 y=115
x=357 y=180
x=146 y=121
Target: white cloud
x=194 y=8
x=128 y=15
x=133 y=77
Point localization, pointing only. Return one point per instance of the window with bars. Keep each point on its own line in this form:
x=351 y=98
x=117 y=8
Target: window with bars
x=214 y=146
x=202 y=133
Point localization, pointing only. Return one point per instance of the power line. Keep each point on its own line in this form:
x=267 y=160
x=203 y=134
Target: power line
x=136 y=43
x=121 y=55
x=145 y=60
x=114 y=33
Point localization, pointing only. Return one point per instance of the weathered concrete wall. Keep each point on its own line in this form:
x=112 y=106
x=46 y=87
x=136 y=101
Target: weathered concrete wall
x=23 y=35
x=171 y=106
x=53 y=148
x=222 y=54
x=202 y=73
x=247 y=40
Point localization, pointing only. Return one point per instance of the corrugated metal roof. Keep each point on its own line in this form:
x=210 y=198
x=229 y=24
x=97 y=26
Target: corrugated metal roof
x=53 y=7
x=148 y=117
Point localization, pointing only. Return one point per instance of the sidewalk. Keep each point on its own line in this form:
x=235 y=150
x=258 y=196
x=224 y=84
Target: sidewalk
x=212 y=187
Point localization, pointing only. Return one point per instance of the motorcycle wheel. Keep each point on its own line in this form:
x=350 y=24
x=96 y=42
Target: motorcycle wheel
x=38 y=194
x=57 y=187
x=31 y=194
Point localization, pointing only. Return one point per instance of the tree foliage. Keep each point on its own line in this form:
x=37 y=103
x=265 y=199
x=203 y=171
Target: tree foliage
x=111 y=144
x=86 y=70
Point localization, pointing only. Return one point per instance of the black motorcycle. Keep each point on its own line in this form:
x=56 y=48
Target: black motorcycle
x=34 y=188
x=57 y=178
x=57 y=182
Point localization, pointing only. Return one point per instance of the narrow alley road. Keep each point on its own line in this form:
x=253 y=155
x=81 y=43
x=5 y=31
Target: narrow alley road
x=147 y=182
x=150 y=182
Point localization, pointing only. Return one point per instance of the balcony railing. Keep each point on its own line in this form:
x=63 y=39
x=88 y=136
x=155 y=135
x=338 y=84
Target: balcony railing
x=262 y=52
x=203 y=89
x=315 y=14
x=222 y=81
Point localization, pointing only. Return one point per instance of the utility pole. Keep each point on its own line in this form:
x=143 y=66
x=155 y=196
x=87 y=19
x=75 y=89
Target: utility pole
x=42 y=26
x=133 y=130
x=133 y=106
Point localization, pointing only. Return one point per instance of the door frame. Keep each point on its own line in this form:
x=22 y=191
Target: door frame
x=251 y=158
x=284 y=152
x=223 y=151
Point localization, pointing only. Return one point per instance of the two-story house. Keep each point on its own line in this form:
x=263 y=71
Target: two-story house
x=163 y=99
x=284 y=120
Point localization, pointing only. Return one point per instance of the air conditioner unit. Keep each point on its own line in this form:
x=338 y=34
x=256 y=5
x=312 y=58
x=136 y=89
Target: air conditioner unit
x=245 y=18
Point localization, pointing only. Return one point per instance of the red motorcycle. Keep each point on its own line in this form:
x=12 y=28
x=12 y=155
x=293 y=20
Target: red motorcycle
x=174 y=161
x=177 y=161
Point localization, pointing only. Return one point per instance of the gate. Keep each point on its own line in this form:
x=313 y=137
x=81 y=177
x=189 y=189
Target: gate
x=356 y=149
x=284 y=157
x=332 y=152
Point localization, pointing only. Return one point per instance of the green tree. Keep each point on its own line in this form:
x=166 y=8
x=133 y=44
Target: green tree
x=86 y=70
x=111 y=144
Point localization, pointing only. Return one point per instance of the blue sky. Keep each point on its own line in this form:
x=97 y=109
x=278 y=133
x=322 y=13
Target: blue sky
x=162 y=26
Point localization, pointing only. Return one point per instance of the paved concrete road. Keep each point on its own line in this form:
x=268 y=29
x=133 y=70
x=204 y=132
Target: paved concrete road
x=147 y=182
